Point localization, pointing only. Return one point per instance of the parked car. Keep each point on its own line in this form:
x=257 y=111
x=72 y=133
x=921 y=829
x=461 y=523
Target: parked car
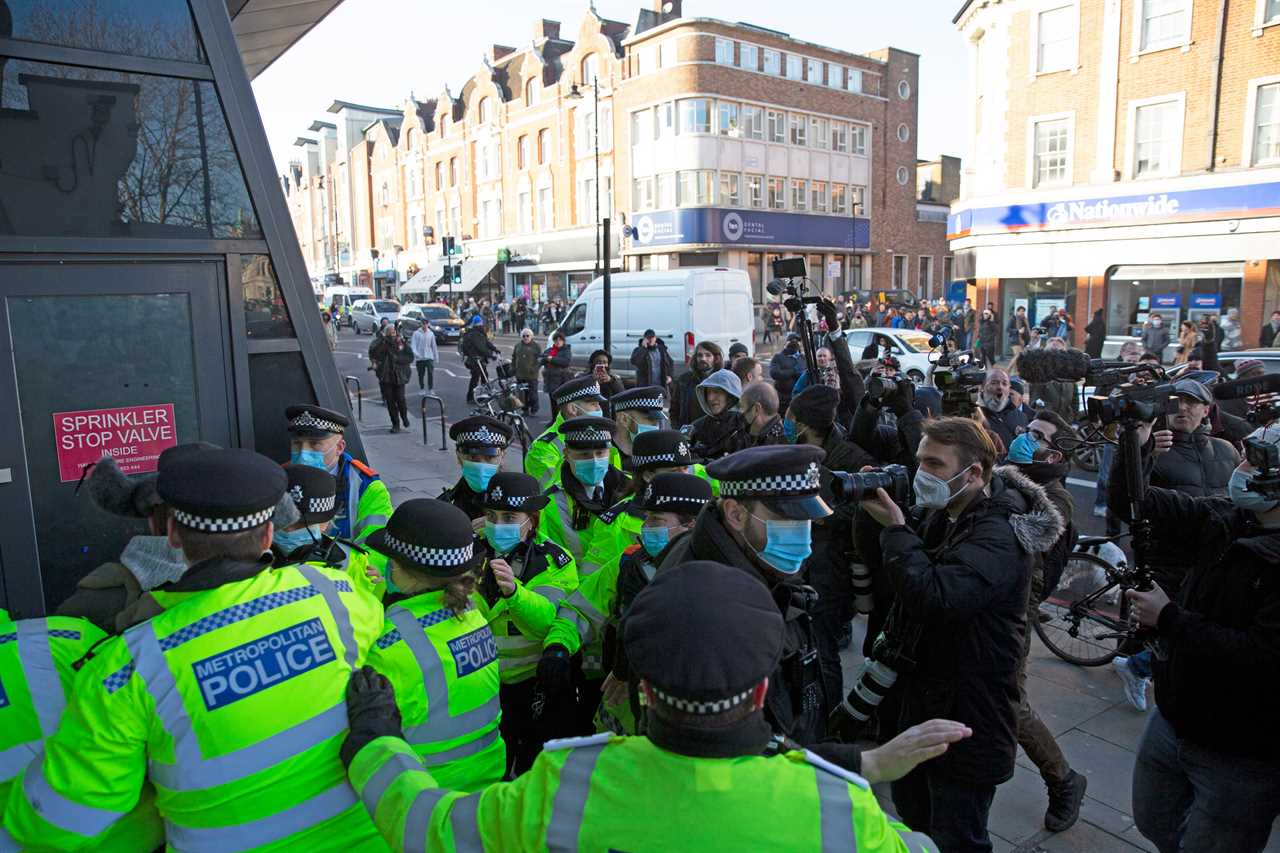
x=367 y=314
x=910 y=347
x=683 y=306
x=440 y=318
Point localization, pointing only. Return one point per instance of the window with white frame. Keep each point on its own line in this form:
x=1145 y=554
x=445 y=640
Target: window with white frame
x=1266 y=125
x=839 y=199
x=752 y=122
x=666 y=190
x=667 y=53
x=853 y=80
x=415 y=230
x=795 y=67
x=485 y=111
x=777 y=193
x=727 y=119
x=799 y=194
x=839 y=137
x=665 y=120
x=857 y=197
x=590 y=69
x=524 y=202
x=1056 y=39
x=755 y=191
x=724 y=51
x=694 y=187
x=899 y=272
x=1268 y=13
x=1163 y=23
x=522 y=152
x=544 y=145
x=440 y=223
x=1157 y=139
x=835 y=76
x=730 y=189
x=815 y=72
x=820 y=133
x=453 y=171
x=546 y=210
x=530 y=91
x=1051 y=154
x=455 y=220
x=777 y=126
x=925 y=281
x=798 y=129
x=749 y=56
x=491 y=217
x=772 y=62
x=642 y=126
x=818 y=196
x=695 y=115
x=642 y=194
x=858 y=139
x=440 y=175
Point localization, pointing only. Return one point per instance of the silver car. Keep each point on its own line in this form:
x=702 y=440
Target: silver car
x=367 y=314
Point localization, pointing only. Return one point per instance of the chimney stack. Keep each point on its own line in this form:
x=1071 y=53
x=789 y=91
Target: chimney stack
x=666 y=10
x=546 y=29
x=498 y=51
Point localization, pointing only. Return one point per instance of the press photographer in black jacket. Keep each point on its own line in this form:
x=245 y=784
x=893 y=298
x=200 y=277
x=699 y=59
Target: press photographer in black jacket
x=1207 y=775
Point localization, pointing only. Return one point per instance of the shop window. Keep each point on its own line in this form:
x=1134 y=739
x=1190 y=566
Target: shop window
x=1041 y=297
x=1134 y=293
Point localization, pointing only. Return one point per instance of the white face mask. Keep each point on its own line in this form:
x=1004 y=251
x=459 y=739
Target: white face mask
x=934 y=492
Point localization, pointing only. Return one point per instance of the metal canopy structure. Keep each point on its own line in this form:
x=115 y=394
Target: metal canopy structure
x=265 y=29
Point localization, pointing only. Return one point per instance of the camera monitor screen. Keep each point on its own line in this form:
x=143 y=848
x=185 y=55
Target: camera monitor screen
x=788 y=268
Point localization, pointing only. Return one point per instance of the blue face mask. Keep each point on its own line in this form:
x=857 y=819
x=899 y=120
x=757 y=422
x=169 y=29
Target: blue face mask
x=1022 y=450
x=310 y=458
x=290 y=540
x=590 y=472
x=643 y=428
x=503 y=537
x=1241 y=497
x=478 y=474
x=655 y=539
x=787 y=543
x=789 y=431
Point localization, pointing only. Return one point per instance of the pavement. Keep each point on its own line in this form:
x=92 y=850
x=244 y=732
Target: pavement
x=1083 y=707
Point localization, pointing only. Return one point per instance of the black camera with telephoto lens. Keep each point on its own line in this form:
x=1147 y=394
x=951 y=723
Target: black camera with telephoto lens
x=894 y=479
x=1133 y=403
x=1264 y=456
x=880 y=387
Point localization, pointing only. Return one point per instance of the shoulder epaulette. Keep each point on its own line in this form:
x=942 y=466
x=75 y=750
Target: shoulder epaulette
x=557 y=553
x=363 y=468
x=354 y=546
x=836 y=770
x=600 y=739
x=610 y=514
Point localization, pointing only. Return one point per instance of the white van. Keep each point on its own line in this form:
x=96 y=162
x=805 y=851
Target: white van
x=344 y=298
x=683 y=306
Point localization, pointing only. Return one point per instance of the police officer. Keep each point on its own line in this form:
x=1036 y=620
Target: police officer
x=364 y=503
x=525 y=576
x=308 y=540
x=637 y=411
x=769 y=497
x=229 y=702
x=37 y=667
x=576 y=398
x=481 y=443
x=706 y=721
x=669 y=504
x=436 y=646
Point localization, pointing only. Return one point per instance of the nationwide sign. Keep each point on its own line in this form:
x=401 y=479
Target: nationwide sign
x=720 y=226
x=1234 y=202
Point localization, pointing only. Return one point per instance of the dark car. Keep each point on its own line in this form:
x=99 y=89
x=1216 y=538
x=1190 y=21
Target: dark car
x=443 y=322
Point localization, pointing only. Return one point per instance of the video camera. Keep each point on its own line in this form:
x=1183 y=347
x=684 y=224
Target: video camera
x=1264 y=456
x=957 y=375
x=880 y=387
x=1259 y=393
x=1133 y=403
x=790 y=280
x=894 y=479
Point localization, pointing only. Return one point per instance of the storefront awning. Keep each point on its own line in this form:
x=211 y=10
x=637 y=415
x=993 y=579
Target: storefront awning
x=424 y=279
x=1166 y=272
x=474 y=271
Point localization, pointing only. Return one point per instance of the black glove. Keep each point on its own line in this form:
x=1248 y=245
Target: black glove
x=371 y=711
x=901 y=401
x=827 y=311
x=554 y=672
x=844 y=755
x=843 y=726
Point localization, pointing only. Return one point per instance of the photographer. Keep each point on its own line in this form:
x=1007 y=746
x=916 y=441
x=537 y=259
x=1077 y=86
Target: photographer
x=960 y=569
x=896 y=443
x=1207 y=774
x=785 y=368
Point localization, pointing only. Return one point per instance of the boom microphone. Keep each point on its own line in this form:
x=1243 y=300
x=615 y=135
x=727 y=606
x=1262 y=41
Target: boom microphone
x=1047 y=365
x=1234 y=390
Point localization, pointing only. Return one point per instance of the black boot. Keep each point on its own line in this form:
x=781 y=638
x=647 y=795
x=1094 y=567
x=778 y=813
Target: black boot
x=1064 y=802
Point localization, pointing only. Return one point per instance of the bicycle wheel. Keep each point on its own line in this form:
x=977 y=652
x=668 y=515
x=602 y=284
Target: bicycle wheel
x=1086 y=459
x=1081 y=618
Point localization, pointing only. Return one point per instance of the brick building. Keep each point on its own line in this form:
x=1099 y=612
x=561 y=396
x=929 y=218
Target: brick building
x=714 y=144
x=1125 y=156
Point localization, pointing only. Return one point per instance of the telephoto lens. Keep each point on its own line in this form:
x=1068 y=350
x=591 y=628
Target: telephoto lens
x=872 y=683
x=894 y=479
x=862 y=597
x=880 y=387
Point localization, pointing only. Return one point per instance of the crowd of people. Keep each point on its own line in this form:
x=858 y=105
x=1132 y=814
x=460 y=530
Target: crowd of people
x=648 y=609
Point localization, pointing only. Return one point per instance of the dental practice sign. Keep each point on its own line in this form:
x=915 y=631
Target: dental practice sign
x=133 y=436
x=1234 y=202
x=720 y=226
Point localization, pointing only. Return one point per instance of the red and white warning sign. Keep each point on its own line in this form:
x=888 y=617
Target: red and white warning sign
x=134 y=436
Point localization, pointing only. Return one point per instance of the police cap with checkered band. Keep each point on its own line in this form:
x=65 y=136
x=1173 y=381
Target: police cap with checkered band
x=481 y=434
x=584 y=389
x=661 y=448
x=222 y=491
x=729 y=633
x=784 y=477
x=587 y=432
x=513 y=491
x=646 y=398
x=672 y=491
x=309 y=421
x=313 y=492
x=430 y=537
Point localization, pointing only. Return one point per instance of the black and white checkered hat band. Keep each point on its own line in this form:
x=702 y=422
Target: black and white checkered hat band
x=325 y=504
x=484 y=436
x=775 y=484
x=443 y=557
x=647 y=403
x=657 y=458
x=588 y=435
x=223 y=525
x=589 y=391
x=719 y=706
x=678 y=499
x=306 y=420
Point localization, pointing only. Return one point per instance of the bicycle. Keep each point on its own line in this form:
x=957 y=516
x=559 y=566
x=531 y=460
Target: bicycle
x=503 y=400
x=1085 y=619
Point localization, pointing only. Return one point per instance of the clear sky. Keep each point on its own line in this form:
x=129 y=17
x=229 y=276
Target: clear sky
x=378 y=51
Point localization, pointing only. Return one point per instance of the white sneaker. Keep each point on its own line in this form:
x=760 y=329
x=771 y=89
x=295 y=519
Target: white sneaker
x=1135 y=687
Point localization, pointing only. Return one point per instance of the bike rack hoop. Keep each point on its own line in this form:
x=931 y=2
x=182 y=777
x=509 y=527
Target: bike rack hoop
x=359 y=407
x=443 y=429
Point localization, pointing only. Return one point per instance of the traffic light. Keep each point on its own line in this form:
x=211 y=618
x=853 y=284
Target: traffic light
x=446 y=246
x=455 y=273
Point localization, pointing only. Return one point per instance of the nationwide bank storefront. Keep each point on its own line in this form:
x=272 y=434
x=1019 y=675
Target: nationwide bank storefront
x=1185 y=247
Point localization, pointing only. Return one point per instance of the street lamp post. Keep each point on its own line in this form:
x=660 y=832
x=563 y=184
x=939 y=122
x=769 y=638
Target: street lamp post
x=574 y=94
